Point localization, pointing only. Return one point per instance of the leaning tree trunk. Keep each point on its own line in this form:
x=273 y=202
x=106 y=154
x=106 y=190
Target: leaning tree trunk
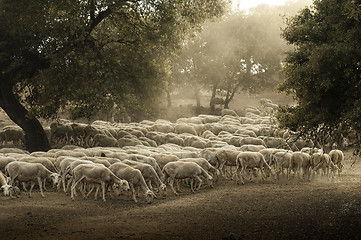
x=35 y=137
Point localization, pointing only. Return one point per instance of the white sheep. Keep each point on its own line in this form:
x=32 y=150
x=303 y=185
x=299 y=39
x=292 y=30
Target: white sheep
x=250 y=161
x=30 y=172
x=4 y=161
x=101 y=140
x=182 y=170
x=337 y=158
x=226 y=157
x=5 y=186
x=95 y=174
x=148 y=173
x=134 y=178
x=300 y=161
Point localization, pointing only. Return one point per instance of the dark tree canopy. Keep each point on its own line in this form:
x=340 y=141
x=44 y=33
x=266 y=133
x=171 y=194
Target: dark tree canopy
x=88 y=56
x=323 y=71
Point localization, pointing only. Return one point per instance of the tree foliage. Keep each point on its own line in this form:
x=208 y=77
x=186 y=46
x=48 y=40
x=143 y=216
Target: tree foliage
x=242 y=51
x=88 y=56
x=323 y=70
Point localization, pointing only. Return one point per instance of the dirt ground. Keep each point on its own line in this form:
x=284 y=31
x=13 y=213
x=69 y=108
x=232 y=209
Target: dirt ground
x=270 y=209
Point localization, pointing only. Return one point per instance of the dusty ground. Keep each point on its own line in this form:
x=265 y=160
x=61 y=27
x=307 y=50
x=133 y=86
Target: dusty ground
x=283 y=209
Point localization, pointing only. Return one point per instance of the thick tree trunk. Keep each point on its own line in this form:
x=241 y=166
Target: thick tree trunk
x=35 y=137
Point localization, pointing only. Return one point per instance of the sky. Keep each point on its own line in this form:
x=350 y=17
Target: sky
x=246 y=4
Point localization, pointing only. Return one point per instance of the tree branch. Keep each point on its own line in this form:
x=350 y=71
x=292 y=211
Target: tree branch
x=101 y=16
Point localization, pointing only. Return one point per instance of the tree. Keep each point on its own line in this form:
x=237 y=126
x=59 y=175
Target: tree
x=240 y=52
x=323 y=70
x=88 y=55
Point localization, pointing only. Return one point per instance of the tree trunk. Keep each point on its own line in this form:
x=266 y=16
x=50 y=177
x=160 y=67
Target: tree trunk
x=35 y=137
x=196 y=93
x=211 y=105
x=169 y=100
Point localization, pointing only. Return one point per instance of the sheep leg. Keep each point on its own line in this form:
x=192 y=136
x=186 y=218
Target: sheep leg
x=236 y=174
x=73 y=190
x=263 y=175
x=200 y=182
x=241 y=173
x=192 y=183
x=221 y=169
x=44 y=183
x=171 y=182
x=96 y=192
x=24 y=187
x=150 y=185
x=103 y=190
x=31 y=188
x=41 y=186
x=63 y=181
x=177 y=183
x=131 y=186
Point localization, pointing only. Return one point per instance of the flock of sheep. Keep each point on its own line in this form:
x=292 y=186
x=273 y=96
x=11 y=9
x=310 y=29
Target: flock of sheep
x=147 y=157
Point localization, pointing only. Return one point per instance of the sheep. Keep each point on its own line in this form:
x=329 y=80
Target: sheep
x=226 y=157
x=228 y=112
x=323 y=161
x=251 y=148
x=196 y=142
x=149 y=160
x=174 y=138
x=14 y=134
x=301 y=161
x=25 y=172
x=249 y=161
x=125 y=141
x=282 y=160
x=204 y=164
x=5 y=186
x=337 y=158
x=13 y=150
x=309 y=150
x=272 y=142
x=63 y=166
x=252 y=140
x=98 y=160
x=267 y=152
x=79 y=133
x=208 y=134
x=61 y=133
x=163 y=159
x=46 y=162
x=101 y=140
x=148 y=173
x=185 y=128
x=149 y=142
x=210 y=155
x=4 y=161
x=182 y=170
x=134 y=178
x=69 y=153
x=96 y=174
x=162 y=127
